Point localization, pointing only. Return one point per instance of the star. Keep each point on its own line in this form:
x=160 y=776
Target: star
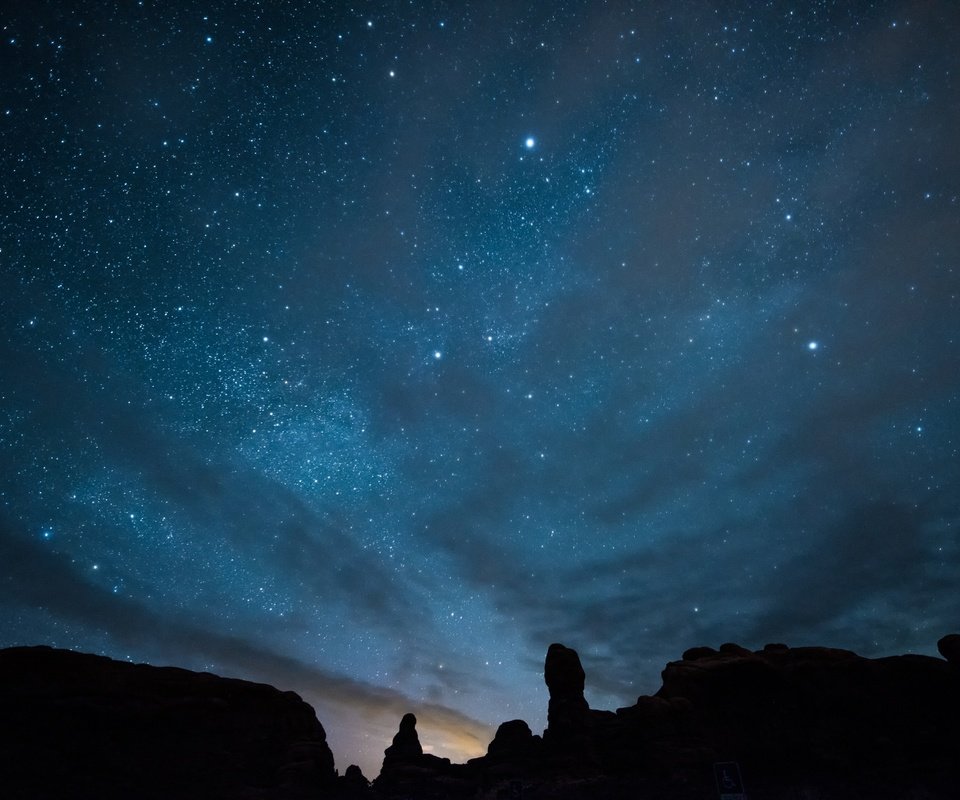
x=229 y=299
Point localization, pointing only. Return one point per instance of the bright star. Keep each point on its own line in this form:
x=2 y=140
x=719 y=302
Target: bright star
x=530 y=142
x=437 y=354
x=812 y=345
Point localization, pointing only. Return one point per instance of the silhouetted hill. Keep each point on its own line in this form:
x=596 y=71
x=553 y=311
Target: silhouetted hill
x=806 y=722
x=82 y=726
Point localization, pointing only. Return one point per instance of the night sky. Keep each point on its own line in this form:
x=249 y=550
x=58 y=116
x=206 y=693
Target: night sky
x=367 y=349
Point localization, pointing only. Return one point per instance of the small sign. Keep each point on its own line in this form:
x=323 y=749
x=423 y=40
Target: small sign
x=729 y=782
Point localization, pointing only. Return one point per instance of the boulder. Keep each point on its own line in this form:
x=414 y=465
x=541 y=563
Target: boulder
x=732 y=649
x=354 y=775
x=949 y=647
x=696 y=653
x=563 y=672
x=513 y=737
x=354 y=784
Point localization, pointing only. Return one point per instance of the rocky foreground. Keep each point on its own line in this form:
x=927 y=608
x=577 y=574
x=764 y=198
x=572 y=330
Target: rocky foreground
x=805 y=722
x=75 y=725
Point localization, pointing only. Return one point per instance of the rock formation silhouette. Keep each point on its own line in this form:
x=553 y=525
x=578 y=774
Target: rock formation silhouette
x=354 y=785
x=76 y=725
x=513 y=738
x=799 y=722
x=949 y=647
x=567 y=711
x=409 y=772
x=406 y=744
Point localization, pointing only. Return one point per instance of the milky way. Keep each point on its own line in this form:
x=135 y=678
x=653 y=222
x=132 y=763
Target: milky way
x=367 y=350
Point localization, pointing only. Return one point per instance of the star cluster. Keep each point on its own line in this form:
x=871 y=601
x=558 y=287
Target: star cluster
x=368 y=349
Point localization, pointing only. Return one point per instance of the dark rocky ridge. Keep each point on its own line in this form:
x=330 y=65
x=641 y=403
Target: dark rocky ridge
x=806 y=722
x=76 y=725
